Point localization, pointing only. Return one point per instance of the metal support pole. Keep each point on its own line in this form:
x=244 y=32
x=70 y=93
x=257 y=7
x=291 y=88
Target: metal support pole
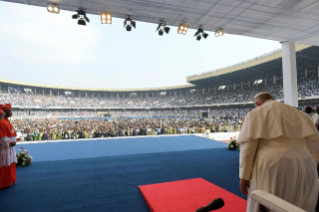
x=289 y=73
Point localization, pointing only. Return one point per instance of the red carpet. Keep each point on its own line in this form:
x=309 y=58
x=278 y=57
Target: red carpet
x=188 y=196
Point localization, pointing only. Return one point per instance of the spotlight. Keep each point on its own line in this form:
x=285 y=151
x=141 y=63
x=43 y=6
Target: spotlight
x=106 y=18
x=128 y=24
x=52 y=8
x=219 y=33
x=200 y=33
x=162 y=28
x=182 y=29
x=81 y=15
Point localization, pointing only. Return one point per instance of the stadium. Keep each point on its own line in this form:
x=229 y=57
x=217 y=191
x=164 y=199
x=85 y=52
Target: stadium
x=168 y=148
x=227 y=92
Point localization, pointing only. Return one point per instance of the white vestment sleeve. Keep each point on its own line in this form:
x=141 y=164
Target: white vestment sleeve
x=5 y=141
x=247 y=158
x=7 y=153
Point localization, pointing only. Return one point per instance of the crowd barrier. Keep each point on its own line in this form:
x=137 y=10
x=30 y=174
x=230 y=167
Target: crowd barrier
x=220 y=136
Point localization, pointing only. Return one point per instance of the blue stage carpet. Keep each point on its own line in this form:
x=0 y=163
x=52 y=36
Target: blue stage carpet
x=111 y=147
x=110 y=183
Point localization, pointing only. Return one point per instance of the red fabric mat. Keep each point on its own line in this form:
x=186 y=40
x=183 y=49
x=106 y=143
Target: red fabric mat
x=188 y=196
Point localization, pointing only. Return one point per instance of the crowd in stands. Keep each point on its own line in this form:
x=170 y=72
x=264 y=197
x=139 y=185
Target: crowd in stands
x=54 y=124
x=181 y=113
x=54 y=129
x=307 y=87
x=50 y=124
x=49 y=114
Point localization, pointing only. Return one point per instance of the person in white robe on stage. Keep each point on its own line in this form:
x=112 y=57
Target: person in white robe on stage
x=279 y=149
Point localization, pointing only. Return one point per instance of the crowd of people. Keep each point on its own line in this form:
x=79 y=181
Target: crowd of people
x=184 y=113
x=45 y=124
x=54 y=129
x=307 y=86
x=49 y=114
x=52 y=125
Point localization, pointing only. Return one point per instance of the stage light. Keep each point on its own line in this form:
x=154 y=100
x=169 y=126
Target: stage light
x=81 y=15
x=128 y=24
x=161 y=28
x=106 y=18
x=53 y=8
x=219 y=33
x=182 y=29
x=200 y=33
x=82 y=22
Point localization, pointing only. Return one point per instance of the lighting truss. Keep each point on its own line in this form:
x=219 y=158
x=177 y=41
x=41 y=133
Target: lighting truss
x=219 y=33
x=128 y=24
x=81 y=16
x=53 y=8
x=161 y=28
x=106 y=18
x=200 y=33
x=182 y=29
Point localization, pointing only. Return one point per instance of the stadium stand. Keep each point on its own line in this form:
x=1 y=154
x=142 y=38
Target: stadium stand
x=216 y=100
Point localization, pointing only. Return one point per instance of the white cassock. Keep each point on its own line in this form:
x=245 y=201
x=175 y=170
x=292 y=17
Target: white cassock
x=279 y=148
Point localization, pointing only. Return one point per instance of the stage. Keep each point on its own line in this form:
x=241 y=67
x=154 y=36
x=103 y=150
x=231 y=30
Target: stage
x=104 y=174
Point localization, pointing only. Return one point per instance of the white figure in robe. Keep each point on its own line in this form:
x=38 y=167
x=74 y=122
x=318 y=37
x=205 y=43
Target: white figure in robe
x=279 y=153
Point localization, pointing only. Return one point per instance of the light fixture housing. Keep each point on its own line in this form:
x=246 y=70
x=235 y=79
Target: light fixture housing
x=219 y=33
x=53 y=8
x=81 y=15
x=200 y=33
x=161 y=28
x=182 y=29
x=106 y=18
x=128 y=24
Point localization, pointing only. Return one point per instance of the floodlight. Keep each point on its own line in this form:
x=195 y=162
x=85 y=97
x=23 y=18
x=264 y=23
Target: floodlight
x=128 y=24
x=182 y=29
x=53 y=8
x=82 y=22
x=106 y=18
x=200 y=33
x=161 y=28
x=219 y=33
x=81 y=15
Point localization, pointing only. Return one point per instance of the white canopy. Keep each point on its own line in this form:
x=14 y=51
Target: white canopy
x=280 y=20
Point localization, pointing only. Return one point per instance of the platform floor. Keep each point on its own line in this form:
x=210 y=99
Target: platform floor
x=104 y=175
x=68 y=149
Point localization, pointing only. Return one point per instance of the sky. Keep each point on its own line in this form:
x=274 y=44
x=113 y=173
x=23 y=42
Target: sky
x=51 y=49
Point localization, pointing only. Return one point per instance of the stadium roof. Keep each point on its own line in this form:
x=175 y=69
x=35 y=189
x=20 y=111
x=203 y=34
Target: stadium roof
x=33 y=85
x=268 y=65
x=280 y=20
